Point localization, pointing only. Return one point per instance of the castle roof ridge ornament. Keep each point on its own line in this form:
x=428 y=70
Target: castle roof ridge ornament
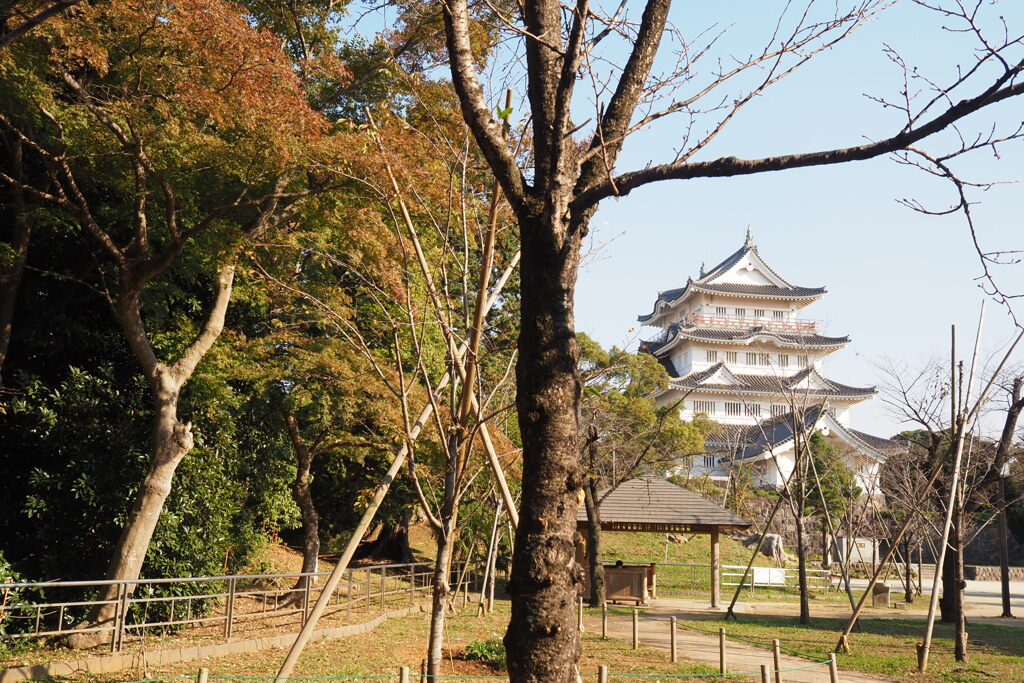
x=750 y=238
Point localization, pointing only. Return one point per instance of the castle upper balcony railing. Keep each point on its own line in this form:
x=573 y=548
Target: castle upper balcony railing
x=734 y=322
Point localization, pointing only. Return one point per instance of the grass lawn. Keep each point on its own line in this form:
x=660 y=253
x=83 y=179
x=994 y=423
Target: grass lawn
x=402 y=641
x=886 y=646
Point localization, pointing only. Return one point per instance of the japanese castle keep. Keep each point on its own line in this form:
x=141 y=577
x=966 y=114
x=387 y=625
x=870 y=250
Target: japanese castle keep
x=736 y=347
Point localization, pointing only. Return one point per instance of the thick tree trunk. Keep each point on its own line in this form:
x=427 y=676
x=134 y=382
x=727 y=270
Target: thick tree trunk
x=960 y=644
x=390 y=543
x=594 y=544
x=445 y=546
x=171 y=441
x=303 y=496
x=951 y=603
x=542 y=641
x=12 y=269
x=908 y=592
x=1004 y=554
x=801 y=558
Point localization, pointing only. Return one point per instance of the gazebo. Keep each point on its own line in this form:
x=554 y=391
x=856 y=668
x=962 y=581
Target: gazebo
x=651 y=504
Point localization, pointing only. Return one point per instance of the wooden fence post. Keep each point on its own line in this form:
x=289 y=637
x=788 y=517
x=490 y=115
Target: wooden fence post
x=672 y=640
x=305 y=598
x=369 y=588
x=721 y=650
x=579 y=618
x=412 y=583
x=351 y=588
x=776 y=656
x=764 y=673
x=833 y=669
x=403 y=675
x=602 y=674
x=636 y=628
x=604 y=619
x=383 y=586
x=203 y=676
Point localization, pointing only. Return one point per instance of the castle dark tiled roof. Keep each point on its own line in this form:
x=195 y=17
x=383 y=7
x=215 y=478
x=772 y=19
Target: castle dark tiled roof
x=770 y=291
x=879 y=443
x=739 y=442
x=739 y=336
x=654 y=501
x=768 y=384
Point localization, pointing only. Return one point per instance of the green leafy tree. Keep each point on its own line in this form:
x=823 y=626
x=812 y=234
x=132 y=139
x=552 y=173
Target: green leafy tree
x=624 y=433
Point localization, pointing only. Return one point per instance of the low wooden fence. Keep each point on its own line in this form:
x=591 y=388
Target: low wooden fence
x=212 y=607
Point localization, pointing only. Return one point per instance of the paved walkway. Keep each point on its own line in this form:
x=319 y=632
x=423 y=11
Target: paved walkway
x=699 y=647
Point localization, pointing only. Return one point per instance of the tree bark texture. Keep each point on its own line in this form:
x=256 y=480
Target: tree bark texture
x=801 y=559
x=303 y=497
x=170 y=439
x=542 y=642
x=951 y=604
x=908 y=593
x=1004 y=555
x=596 y=566
x=442 y=565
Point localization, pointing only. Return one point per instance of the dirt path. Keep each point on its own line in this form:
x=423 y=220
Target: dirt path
x=654 y=626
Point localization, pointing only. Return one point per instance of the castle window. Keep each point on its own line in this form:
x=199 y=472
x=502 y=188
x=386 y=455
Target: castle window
x=764 y=359
x=733 y=409
x=779 y=409
x=753 y=409
x=751 y=358
x=779 y=315
x=802 y=361
x=758 y=313
x=783 y=360
x=730 y=357
x=710 y=460
x=740 y=312
x=706 y=407
x=712 y=356
x=721 y=310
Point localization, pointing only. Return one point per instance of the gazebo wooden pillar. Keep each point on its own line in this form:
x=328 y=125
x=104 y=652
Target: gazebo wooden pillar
x=651 y=504
x=716 y=568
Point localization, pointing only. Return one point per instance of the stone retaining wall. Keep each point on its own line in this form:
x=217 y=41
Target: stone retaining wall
x=987 y=573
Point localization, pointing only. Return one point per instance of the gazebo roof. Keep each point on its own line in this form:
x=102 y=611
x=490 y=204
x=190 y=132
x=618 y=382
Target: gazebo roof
x=653 y=504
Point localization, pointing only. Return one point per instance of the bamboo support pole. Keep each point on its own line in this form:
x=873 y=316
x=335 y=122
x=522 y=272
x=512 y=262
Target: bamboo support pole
x=672 y=641
x=776 y=661
x=636 y=628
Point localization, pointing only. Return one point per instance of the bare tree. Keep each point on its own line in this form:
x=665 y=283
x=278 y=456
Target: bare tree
x=573 y=166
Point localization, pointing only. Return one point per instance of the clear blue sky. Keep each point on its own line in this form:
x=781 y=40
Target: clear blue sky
x=896 y=279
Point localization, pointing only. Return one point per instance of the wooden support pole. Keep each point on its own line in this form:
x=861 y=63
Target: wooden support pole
x=579 y=620
x=602 y=674
x=403 y=675
x=604 y=620
x=203 y=676
x=721 y=650
x=716 y=568
x=833 y=668
x=764 y=673
x=776 y=657
x=672 y=641
x=636 y=628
